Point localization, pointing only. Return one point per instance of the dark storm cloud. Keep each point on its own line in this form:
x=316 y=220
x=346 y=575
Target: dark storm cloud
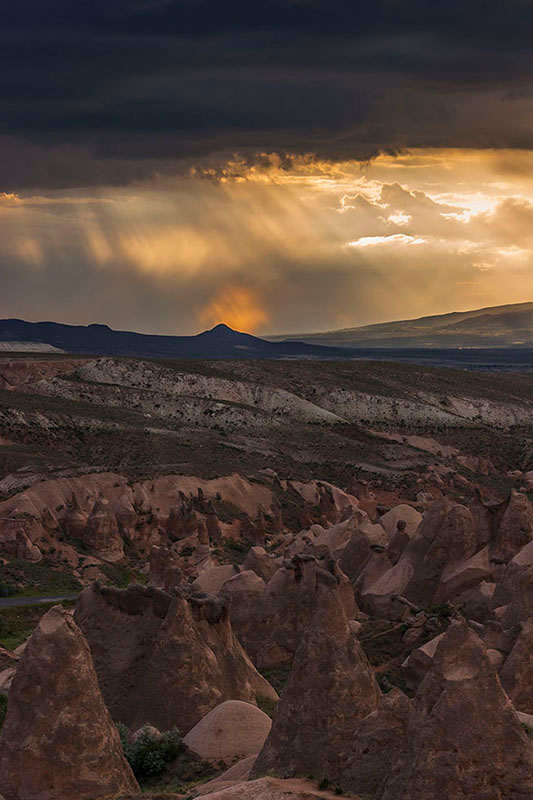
x=111 y=91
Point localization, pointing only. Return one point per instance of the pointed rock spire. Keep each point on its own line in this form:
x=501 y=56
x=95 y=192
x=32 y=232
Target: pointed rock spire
x=331 y=688
x=58 y=740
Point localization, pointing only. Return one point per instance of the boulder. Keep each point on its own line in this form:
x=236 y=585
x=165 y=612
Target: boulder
x=262 y=563
x=445 y=538
x=58 y=741
x=332 y=540
x=6 y=679
x=272 y=789
x=241 y=593
x=419 y=661
x=476 y=602
x=331 y=687
x=460 y=577
x=162 y=660
x=238 y=773
x=361 y=546
x=407 y=513
x=211 y=580
x=231 y=730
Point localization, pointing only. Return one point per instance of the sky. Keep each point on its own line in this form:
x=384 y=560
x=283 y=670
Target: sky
x=284 y=166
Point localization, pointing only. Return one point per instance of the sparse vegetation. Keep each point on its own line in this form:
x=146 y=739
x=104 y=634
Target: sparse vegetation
x=266 y=704
x=149 y=755
x=120 y=575
x=37 y=579
x=278 y=676
x=16 y=624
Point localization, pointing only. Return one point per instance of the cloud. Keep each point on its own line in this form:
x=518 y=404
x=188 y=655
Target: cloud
x=113 y=92
x=275 y=247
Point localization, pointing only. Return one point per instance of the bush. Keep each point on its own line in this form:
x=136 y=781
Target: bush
x=149 y=755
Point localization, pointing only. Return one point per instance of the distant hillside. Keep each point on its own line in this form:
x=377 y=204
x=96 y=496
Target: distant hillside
x=499 y=326
x=219 y=342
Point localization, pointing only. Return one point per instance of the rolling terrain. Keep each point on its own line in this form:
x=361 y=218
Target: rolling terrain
x=240 y=550
x=327 y=419
x=499 y=326
x=219 y=342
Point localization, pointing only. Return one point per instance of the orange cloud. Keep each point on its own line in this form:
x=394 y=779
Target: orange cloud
x=236 y=306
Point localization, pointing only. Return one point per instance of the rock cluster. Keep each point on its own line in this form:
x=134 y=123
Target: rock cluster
x=162 y=660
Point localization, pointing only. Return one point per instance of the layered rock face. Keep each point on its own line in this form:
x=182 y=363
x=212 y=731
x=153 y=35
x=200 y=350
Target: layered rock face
x=165 y=660
x=331 y=688
x=460 y=739
x=58 y=741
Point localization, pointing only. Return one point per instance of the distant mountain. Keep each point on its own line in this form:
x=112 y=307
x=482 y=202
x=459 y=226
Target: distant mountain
x=219 y=342
x=498 y=326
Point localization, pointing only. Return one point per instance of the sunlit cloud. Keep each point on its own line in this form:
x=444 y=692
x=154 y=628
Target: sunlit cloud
x=280 y=244
x=399 y=218
x=390 y=241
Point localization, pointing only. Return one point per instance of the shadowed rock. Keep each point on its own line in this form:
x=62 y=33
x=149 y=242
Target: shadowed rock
x=330 y=689
x=516 y=674
x=464 y=737
x=271 y=628
x=165 y=660
x=58 y=741
x=516 y=527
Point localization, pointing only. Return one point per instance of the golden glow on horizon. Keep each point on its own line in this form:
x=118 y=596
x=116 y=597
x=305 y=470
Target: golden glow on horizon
x=237 y=307
x=297 y=243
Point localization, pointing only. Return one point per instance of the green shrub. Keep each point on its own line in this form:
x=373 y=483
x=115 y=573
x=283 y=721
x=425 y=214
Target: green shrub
x=119 y=574
x=3 y=709
x=266 y=704
x=149 y=755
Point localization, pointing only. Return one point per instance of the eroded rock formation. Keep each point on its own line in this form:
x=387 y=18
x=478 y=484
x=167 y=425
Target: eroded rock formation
x=58 y=741
x=162 y=660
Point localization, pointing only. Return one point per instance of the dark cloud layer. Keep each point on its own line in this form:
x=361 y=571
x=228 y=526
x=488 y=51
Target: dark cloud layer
x=114 y=91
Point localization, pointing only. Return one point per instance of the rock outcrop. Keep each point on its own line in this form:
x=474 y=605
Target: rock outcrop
x=271 y=628
x=331 y=688
x=445 y=539
x=162 y=660
x=58 y=741
x=101 y=535
x=463 y=739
